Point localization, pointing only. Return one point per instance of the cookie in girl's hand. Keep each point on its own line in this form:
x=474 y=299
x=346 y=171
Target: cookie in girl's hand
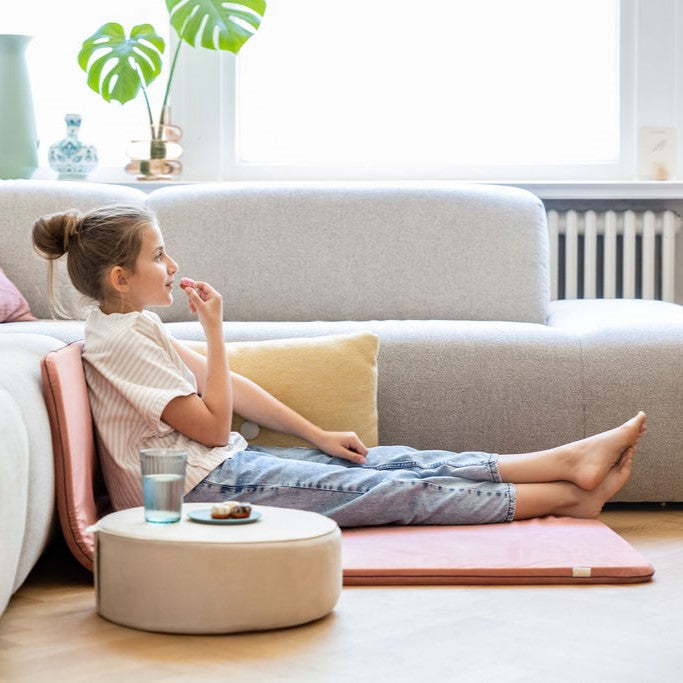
x=187 y=282
x=198 y=287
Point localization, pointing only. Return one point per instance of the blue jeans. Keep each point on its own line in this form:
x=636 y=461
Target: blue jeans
x=397 y=485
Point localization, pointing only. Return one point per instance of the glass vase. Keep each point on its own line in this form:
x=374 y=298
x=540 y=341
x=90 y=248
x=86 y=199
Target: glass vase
x=157 y=157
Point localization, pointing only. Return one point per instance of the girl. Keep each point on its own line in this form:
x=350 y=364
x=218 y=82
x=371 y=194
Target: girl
x=147 y=390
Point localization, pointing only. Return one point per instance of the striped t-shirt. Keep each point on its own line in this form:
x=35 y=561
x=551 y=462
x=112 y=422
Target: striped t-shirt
x=133 y=372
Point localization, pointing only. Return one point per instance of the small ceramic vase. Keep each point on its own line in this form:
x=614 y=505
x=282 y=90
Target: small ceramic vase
x=70 y=157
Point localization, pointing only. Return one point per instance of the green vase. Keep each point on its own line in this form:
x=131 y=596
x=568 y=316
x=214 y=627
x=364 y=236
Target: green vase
x=18 y=140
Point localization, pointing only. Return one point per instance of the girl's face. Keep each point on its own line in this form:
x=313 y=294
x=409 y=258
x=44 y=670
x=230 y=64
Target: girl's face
x=152 y=282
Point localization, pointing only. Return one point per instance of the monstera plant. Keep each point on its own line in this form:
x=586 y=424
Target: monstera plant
x=118 y=66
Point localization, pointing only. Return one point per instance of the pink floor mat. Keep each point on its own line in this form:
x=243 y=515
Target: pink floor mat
x=545 y=550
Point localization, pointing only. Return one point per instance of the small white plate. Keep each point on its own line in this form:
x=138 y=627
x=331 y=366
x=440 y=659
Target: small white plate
x=203 y=516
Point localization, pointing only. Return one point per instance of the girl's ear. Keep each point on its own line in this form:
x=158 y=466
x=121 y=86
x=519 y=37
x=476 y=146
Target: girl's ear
x=117 y=279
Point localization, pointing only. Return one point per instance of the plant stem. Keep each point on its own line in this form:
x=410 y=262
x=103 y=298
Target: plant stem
x=170 y=76
x=149 y=109
x=144 y=92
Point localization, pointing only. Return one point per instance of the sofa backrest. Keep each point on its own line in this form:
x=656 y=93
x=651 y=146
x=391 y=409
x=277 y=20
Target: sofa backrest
x=21 y=202
x=318 y=251
x=360 y=251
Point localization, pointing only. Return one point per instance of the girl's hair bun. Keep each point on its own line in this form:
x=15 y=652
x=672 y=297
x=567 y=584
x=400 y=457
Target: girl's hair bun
x=52 y=234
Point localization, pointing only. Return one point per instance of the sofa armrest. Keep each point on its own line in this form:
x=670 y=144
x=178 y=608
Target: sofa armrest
x=27 y=487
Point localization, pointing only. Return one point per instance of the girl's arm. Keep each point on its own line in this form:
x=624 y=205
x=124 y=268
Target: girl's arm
x=199 y=416
x=206 y=419
x=254 y=403
x=196 y=362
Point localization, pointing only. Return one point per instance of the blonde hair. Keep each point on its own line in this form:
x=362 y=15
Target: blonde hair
x=94 y=242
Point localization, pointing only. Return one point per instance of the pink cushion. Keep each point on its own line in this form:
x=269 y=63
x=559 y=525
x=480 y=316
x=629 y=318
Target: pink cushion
x=544 y=550
x=13 y=306
x=81 y=497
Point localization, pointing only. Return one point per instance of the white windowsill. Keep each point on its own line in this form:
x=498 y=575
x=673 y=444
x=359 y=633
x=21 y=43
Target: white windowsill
x=545 y=189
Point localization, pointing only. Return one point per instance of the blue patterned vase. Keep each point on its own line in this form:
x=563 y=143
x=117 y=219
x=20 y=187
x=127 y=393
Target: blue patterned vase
x=70 y=157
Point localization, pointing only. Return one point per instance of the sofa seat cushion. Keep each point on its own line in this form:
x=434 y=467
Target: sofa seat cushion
x=631 y=360
x=434 y=376
x=66 y=330
x=638 y=316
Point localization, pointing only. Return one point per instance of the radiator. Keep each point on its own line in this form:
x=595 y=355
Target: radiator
x=613 y=254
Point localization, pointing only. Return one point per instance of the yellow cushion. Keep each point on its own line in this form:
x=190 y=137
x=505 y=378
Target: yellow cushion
x=330 y=380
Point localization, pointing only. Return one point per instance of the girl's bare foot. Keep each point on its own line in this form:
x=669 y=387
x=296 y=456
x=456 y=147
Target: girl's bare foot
x=583 y=463
x=591 y=460
x=590 y=503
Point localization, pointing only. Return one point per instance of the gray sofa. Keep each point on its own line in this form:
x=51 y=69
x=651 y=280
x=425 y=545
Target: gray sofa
x=453 y=278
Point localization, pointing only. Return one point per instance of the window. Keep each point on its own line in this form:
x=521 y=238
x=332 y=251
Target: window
x=400 y=83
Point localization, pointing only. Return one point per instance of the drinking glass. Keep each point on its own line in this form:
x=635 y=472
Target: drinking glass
x=163 y=483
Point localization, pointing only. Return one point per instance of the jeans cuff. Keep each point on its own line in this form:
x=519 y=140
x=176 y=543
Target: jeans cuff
x=512 y=503
x=493 y=468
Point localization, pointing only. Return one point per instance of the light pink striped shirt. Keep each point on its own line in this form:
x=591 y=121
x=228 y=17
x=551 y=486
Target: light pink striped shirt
x=133 y=372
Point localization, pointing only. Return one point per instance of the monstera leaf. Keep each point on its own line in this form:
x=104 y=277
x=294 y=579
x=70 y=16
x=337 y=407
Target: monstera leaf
x=122 y=64
x=216 y=24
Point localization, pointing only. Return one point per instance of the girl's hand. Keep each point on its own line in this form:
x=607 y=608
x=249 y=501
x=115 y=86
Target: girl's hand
x=345 y=445
x=203 y=300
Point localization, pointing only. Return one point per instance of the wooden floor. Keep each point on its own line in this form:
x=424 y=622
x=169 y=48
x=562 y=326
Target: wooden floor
x=50 y=631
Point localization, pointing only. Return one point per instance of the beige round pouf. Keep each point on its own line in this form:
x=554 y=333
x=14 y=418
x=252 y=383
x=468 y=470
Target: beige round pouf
x=282 y=570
